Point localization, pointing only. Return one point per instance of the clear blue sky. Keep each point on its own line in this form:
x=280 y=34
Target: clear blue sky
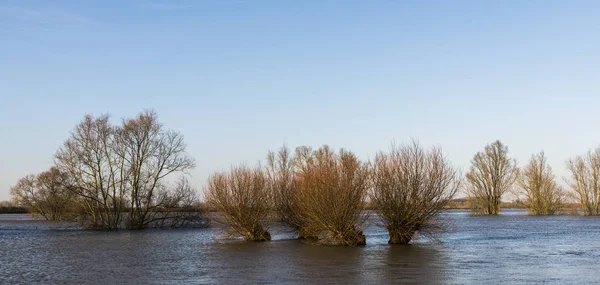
x=238 y=78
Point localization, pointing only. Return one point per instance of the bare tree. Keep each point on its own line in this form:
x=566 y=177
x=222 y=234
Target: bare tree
x=491 y=175
x=544 y=195
x=46 y=194
x=242 y=200
x=330 y=196
x=410 y=187
x=585 y=181
x=123 y=168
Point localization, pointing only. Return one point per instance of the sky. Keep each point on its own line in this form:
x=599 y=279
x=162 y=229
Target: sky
x=239 y=78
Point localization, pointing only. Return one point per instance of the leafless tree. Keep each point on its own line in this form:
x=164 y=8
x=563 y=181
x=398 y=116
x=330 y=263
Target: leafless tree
x=544 y=195
x=330 y=196
x=46 y=194
x=123 y=168
x=243 y=202
x=491 y=175
x=585 y=181
x=410 y=187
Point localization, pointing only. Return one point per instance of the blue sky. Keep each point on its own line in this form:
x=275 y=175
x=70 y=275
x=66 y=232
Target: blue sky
x=238 y=78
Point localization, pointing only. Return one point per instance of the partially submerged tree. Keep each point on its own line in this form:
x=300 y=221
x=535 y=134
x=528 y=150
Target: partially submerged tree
x=585 y=181
x=125 y=167
x=242 y=200
x=491 y=175
x=46 y=194
x=331 y=191
x=410 y=187
x=544 y=195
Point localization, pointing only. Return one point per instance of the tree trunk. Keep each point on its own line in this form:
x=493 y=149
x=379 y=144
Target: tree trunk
x=400 y=236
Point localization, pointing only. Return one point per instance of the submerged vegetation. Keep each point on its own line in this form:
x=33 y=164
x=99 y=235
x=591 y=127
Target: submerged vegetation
x=133 y=175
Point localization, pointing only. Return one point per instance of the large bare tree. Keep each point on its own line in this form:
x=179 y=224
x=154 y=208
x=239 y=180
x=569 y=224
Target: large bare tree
x=492 y=174
x=127 y=167
x=585 y=181
x=544 y=195
x=410 y=187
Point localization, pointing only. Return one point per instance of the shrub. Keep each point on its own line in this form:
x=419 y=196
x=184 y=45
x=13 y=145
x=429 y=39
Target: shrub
x=242 y=200
x=330 y=194
x=410 y=187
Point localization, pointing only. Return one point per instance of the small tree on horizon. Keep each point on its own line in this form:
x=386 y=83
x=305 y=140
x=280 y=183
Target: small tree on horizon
x=536 y=181
x=491 y=175
x=46 y=194
x=585 y=181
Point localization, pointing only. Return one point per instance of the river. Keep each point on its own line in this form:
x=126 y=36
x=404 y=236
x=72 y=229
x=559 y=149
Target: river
x=512 y=248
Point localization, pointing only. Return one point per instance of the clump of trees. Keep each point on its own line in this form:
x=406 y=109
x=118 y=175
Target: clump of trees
x=118 y=176
x=543 y=195
x=585 y=181
x=243 y=201
x=46 y=195
x=410 y=188
x=330 y=196
x=491 y=175
x=319 y=193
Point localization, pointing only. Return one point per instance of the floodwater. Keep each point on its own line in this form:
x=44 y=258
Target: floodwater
x=512 y=248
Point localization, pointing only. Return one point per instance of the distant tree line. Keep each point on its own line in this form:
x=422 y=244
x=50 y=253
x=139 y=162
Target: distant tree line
x=133 y=175
x=6 y=207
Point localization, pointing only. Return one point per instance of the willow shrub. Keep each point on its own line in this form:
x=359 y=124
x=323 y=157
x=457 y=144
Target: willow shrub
x=330 y=191
x=242 y=200
x=410 y=187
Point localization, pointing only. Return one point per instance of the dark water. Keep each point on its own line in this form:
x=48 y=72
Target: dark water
x=509 y=249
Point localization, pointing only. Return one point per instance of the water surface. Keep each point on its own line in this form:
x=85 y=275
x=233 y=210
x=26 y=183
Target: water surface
x=512 y=248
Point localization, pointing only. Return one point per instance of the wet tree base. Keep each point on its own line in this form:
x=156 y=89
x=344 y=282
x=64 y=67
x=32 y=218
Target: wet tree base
x=354 y=238
x=258 y=234
x=400 y=237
